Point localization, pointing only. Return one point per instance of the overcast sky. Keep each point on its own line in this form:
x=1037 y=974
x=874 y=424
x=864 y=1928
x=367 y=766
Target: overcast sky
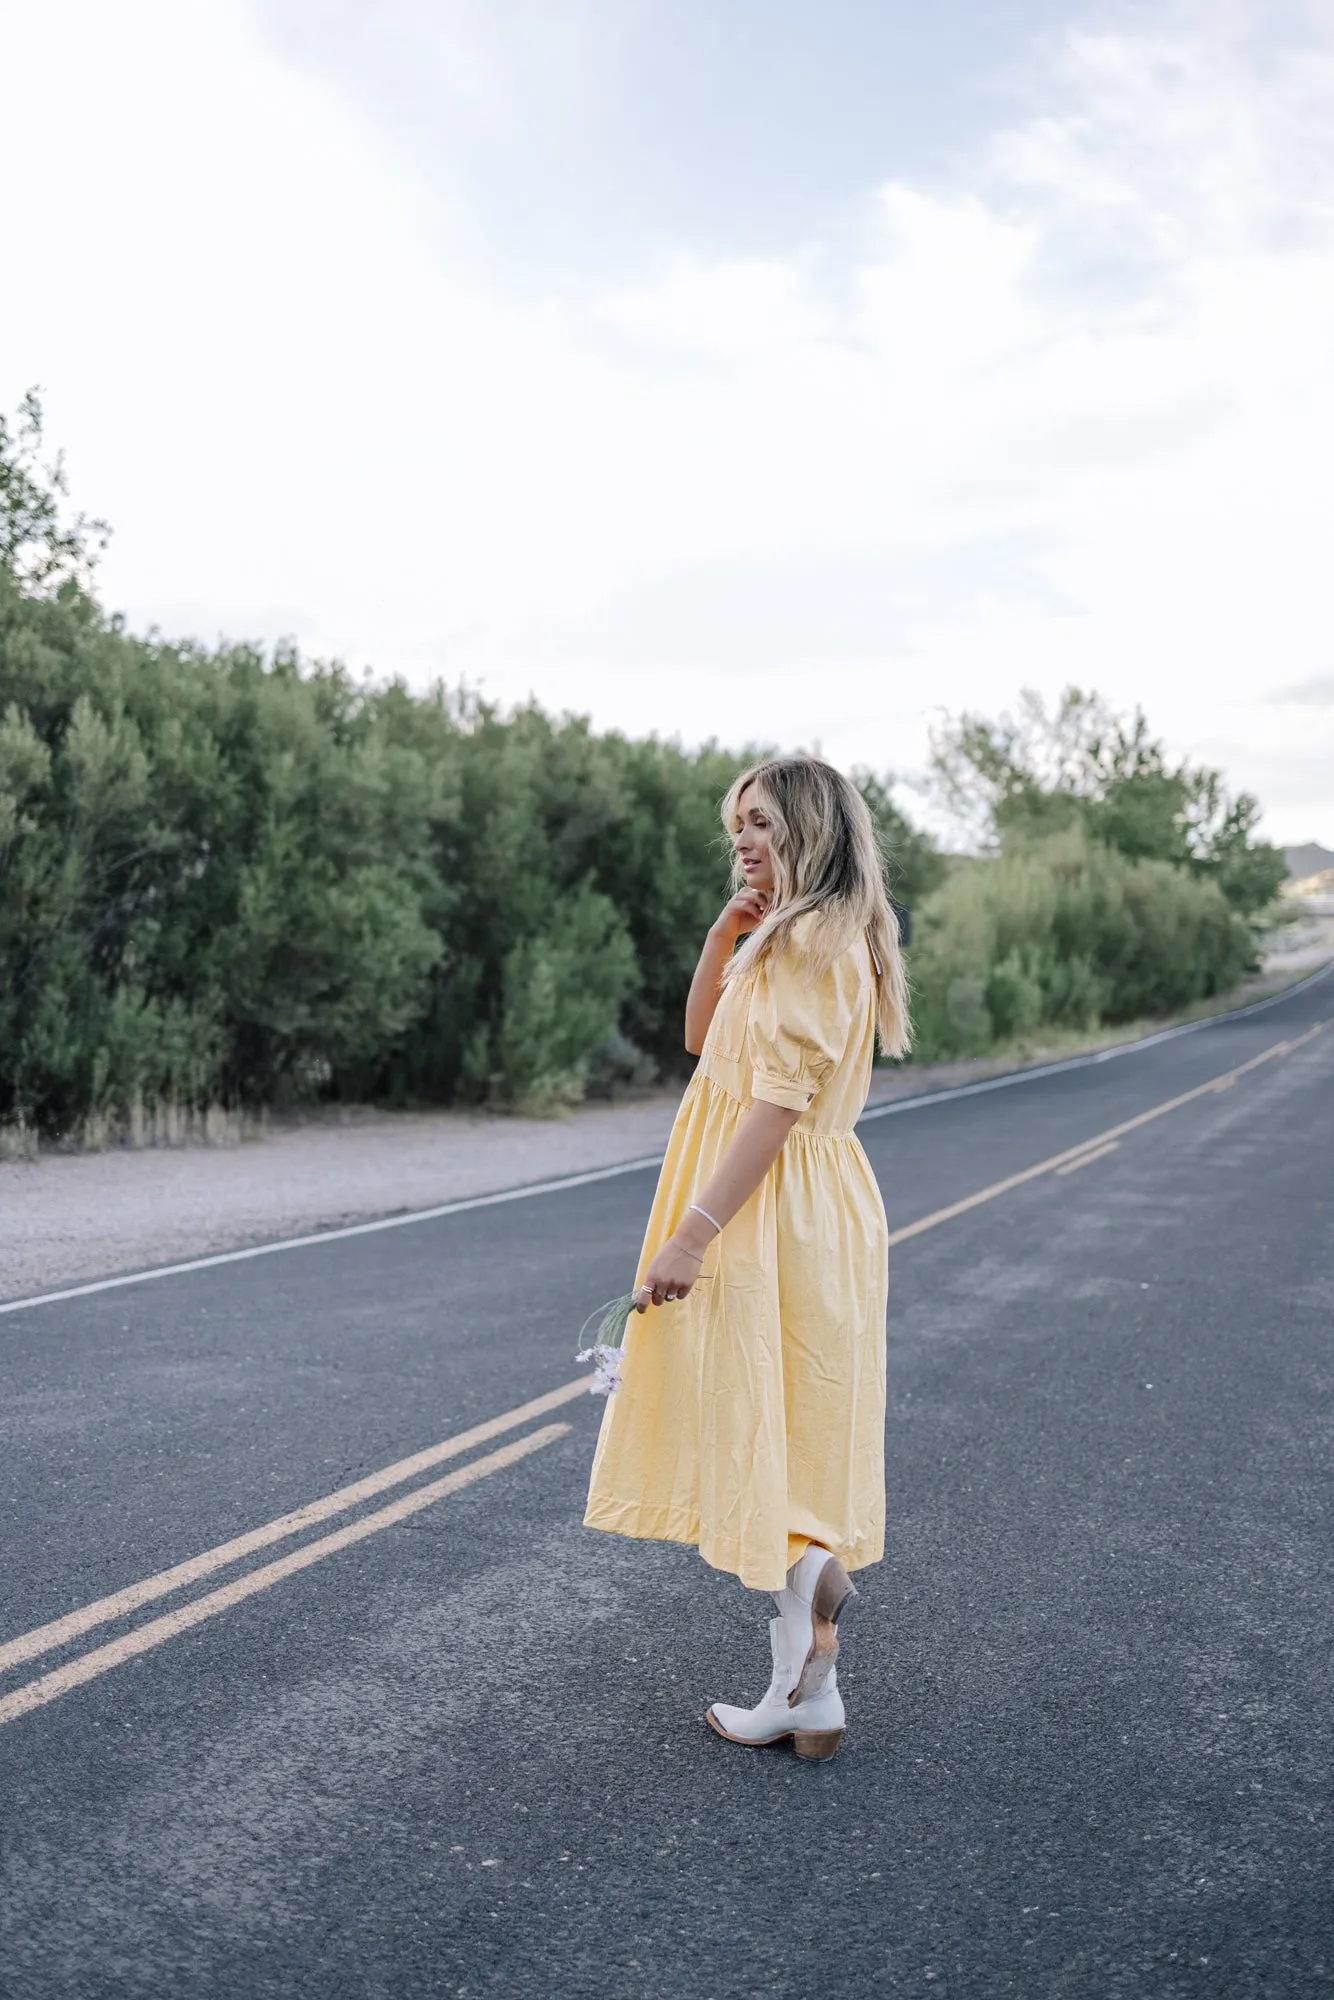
x=716 y=367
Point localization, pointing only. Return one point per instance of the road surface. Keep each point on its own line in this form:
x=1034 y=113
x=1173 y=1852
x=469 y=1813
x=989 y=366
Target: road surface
x=434 y=1738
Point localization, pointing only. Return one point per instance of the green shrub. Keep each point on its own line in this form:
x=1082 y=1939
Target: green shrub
x=214 y=873
x=1026 y=777
x=563 y=990
x=1066 y=932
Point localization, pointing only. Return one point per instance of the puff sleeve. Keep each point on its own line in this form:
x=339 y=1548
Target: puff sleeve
x=799 y=1028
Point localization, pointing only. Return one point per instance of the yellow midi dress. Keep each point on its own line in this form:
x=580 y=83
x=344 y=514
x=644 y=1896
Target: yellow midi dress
x=754 y=1409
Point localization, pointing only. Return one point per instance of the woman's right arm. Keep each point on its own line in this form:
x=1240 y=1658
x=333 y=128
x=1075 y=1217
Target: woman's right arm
x=744 y=913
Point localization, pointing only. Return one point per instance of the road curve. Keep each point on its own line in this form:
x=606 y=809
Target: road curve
x=311 y=1683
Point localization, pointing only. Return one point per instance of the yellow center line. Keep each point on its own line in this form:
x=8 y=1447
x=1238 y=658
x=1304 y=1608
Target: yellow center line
x=35 y=1694
x=1113 y=1132
x=61 y=1630
x=1086 y=1159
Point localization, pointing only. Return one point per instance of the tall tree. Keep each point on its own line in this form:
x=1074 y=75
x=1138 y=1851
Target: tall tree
x=1017 y=777
x=39 y=546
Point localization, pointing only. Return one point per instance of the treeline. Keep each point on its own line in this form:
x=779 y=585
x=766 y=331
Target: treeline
x=1114 y=883
x=231 y=879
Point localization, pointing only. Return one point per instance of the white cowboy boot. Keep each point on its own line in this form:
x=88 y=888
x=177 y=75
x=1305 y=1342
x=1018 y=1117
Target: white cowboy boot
x=816 y=1725
x=817 y=1589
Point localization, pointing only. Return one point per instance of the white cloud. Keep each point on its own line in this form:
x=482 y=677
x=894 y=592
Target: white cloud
x=1067 y=417
x=1318 y=693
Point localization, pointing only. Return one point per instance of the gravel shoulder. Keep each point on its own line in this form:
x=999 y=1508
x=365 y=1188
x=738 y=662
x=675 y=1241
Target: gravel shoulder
x=68 y=1217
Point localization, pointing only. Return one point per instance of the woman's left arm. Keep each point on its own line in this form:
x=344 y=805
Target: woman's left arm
x=758 y=1142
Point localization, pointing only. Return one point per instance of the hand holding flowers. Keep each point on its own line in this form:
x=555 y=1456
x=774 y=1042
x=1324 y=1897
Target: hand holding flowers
x=675 y=1268
x=670 y=1276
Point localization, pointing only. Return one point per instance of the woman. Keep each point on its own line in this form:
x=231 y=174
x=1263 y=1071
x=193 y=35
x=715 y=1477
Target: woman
x=750 y=1420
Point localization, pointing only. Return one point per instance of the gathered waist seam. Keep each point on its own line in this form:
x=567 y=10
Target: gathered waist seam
x=808 y=1132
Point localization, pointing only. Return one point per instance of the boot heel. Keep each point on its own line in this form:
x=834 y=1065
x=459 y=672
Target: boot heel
x=833 y=1588
x=817 y=1744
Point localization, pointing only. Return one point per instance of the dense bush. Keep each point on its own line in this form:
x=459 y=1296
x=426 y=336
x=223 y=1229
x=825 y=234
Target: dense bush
x=1065 y=931
x=215 y=874
x=223 y=879
x=228 y=879
x=1081 y=765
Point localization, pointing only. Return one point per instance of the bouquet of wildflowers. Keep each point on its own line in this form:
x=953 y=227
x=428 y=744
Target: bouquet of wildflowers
x=604 y=1350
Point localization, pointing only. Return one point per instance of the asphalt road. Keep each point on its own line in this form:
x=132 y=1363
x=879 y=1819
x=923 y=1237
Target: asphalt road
x=1090 y=1727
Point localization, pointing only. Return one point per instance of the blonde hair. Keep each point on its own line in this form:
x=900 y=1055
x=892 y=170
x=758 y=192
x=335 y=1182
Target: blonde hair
x=828 y=863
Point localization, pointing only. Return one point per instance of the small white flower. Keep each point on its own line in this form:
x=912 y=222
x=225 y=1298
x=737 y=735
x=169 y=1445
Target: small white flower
x=604 y=1353
x=606 y=1368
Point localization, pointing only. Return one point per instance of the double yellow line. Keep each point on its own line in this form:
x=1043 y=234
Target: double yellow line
x=143 y=1638
x=46 y=1638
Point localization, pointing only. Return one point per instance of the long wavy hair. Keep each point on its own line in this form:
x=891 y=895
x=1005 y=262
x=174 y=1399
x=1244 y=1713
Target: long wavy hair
x=828 y=864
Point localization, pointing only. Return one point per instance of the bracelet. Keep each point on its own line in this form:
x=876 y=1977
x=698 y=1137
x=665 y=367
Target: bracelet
x=695 y=1209
x=695 y=1255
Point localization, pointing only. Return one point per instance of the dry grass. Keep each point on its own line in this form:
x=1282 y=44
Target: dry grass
x=149 y=1126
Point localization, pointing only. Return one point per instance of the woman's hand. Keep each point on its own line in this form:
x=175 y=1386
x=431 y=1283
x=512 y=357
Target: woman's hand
x=745 y=913
x=675 y=1267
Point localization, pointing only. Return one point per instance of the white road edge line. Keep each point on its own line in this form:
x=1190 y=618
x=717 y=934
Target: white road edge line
x=334 y=1235
x=636 y=1166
